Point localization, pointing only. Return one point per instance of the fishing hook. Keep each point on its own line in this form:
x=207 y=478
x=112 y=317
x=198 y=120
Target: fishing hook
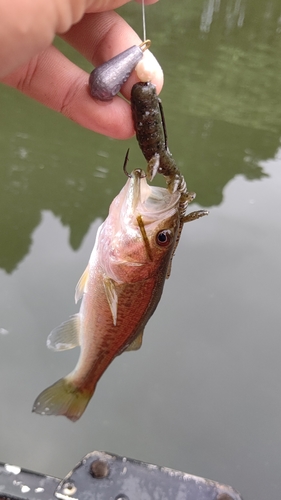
x=141 y=172
x=125 y=164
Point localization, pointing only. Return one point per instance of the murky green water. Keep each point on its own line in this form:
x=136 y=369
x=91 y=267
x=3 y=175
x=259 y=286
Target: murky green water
x=203 y=394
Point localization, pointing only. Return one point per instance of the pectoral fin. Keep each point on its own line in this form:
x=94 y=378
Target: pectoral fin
x=136 y=344
x=80 y=287
x=112 y=297
x=66 y=335
x=169 y=269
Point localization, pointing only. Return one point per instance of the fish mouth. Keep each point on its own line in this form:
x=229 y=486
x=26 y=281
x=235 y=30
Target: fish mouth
x=151 y=202
x=136 y=215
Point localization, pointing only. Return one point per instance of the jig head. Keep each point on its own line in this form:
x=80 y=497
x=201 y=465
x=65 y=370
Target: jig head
x=106 y=80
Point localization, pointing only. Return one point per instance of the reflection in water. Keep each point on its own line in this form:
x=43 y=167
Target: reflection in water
x=235 y=14
x=224 y=102
x=219 y=151
x=210 y=7
x=226 y=151
x=36 y=177
x=235 y=11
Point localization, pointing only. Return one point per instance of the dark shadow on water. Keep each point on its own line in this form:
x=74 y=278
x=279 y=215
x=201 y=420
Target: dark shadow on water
x=65 y=179
x=221 y=151
x=222 y=106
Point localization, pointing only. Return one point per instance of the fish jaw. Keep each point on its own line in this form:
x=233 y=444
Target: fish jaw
x=126 y=241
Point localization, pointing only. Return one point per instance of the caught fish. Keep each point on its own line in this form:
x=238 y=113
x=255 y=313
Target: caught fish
x=125 y=276
x=120 y=290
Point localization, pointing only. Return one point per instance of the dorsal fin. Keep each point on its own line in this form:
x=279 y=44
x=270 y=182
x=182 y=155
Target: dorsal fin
x=136 y=344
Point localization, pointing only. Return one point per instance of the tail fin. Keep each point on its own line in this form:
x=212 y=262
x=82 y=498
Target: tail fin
x=63 y=398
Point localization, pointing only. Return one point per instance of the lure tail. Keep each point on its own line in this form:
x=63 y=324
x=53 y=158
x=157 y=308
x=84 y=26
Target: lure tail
x=63 y=398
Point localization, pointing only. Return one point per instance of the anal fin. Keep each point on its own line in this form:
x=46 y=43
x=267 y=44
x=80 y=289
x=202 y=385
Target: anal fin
x=66 y=335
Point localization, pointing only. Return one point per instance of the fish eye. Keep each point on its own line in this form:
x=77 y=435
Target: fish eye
x=164 y=237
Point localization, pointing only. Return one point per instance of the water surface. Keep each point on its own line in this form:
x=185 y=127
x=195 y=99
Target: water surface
x=203 y=394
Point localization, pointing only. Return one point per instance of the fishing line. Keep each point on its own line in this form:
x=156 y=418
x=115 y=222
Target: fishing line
x=143 y=19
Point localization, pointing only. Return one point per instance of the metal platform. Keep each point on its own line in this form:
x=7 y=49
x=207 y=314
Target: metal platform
x=103 y=476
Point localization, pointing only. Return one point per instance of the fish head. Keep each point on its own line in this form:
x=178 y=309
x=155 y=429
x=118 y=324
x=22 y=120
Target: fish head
x=140 y=232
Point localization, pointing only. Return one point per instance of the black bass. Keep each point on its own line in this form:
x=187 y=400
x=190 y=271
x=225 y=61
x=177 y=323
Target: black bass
x=120 y=290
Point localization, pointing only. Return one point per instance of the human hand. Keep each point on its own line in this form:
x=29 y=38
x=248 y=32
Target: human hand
x=31 y=64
